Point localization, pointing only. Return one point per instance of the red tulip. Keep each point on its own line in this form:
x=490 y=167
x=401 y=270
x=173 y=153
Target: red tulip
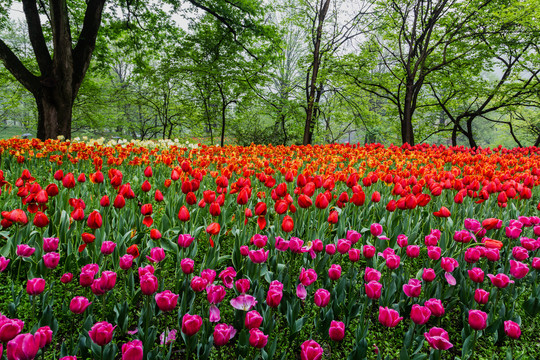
x=94 y=220
x=183 y=214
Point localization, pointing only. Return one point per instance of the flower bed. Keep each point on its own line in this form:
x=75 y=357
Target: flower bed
x=337 y=251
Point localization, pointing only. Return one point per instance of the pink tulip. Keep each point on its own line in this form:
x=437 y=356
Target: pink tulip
x=512 y=232
x=435 y=306
x=253 y=320
x=434 y=252
x=242 y=285
x=389 y=317
x=101 y=333
x=330 y=249
x=413 y=288
x=462 y=236
x=51 y=260
x=519 y=253
x=334 y=273
x=336 y=331
x=167 y=336
x=392 y=261
x=243 y=302
x=209 y=275
x=353 y=236
x=223 y=333
x=371 y=275
x=413 y=251
x=449 y=264
x=126 y=262
x=376 y=229
x=227 y=277
x=472 y=225
x=108 y=247
x=354 y=255
x=25 y=251
x=66 y=278
x=428 y=275
x=368 y=251
x=477 y=319
x=157 y=255
x=493 y=254
x=343 y=246
x=79 y=304
x=258 y=256
x=3 y=263
x=191 y=324
x=472 y=255
x=149 y=284
x=108 y=280
x=23 y=347
x=132 y=350
x=166 y=300
x=373 y=289
x=322 y=297
x=273 y=296
x=481 y=296
x=46 y=336
x=420 y=314
x=500 y=280
x=438 y=339
x=307 y=277
x=476 y=275
x=259 y=240
x=35 y=286
x=187 y=265
x=281 y=244
x=257 y=339
x=9 y=328
x=50 y=244
x=215 y=294
x=536 y=263
x=518 y=269
x=198 y=284
x=185 y=240
x=402 y=240
x=311 y=350
x=512 y=329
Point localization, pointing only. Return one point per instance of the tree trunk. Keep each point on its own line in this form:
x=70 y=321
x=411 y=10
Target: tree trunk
x=407 y=132
x=223 y=118
x=454 y=135
x=470 y=136
x=54 y=114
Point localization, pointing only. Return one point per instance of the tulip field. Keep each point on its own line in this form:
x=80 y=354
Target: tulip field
x=268 y=252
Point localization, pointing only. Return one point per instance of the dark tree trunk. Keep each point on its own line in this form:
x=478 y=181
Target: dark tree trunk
x=454 y=135
x=62 y=74
x=223 y=118
x=469 y=134
x=407 y=132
